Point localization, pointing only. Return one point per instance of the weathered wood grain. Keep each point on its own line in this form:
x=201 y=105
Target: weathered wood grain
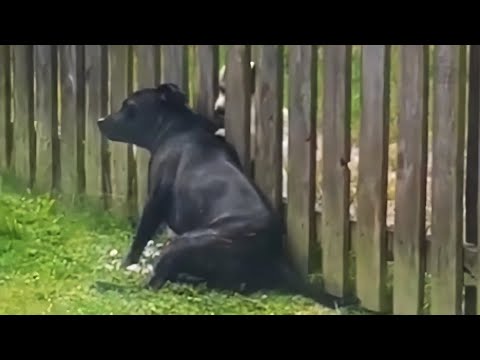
x=409 y=247
x=238 y=102
x=120 y=153
x=470 y=252
x=208 y=59
x=147 y=75
x=96 y=98
x=371 y=249
x=269 y=122
x=5 y=107
x=336 y=174
x=23 y=123
x=301 y=153
x=71 y=62
x=175 y=66
x=46 y=116
x=447 y=179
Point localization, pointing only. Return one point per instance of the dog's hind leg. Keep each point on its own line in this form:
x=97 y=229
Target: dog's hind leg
x=202 y=253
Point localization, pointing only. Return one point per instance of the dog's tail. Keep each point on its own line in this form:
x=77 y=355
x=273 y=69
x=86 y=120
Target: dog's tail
x=291 y=282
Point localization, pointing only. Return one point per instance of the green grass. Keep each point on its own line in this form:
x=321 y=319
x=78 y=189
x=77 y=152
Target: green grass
x=53 y=256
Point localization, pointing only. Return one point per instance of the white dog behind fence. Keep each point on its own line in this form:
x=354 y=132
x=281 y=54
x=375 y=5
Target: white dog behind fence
x=220 y=111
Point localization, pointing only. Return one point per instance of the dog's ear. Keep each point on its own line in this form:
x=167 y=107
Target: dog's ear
x=221 y=78
x=253 y=74
x=171 y=94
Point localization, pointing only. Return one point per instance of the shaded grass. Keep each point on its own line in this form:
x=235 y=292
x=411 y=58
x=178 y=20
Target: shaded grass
x=53 y=257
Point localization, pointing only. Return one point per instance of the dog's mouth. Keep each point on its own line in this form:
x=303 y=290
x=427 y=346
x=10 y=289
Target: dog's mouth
x=105 y=126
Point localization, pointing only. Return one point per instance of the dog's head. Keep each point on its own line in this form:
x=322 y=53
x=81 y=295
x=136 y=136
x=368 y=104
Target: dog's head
x=219 y=109
x=143 y=115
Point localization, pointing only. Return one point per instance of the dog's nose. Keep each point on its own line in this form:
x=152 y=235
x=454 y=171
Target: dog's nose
x=219 y=111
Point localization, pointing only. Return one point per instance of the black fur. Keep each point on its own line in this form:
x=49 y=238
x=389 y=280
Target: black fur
x=228 y=233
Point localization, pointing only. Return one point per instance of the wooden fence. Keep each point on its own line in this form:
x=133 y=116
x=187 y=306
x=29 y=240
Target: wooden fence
x=354 y=112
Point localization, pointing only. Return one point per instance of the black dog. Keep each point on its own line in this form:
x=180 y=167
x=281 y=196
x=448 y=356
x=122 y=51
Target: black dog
x=228 y=233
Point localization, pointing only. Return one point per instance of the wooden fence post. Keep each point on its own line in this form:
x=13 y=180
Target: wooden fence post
x=336 y=174
x=371 y=247
x=269 y=122
x=409 y=245
x=447 y=179
x=96 y=99
x=301 y=153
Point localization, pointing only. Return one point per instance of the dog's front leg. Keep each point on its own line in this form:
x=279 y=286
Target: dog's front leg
x=152 y=216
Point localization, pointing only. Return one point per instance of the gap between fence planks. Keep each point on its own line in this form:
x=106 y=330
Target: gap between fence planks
x=371 y=247
x=336 y=174
x=471 y=190
x=409 y=247
x=447 y=179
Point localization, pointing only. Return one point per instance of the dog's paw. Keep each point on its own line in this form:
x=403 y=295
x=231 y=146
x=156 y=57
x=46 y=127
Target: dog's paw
x=155 y=283
x=136 y=268
x=128 y=260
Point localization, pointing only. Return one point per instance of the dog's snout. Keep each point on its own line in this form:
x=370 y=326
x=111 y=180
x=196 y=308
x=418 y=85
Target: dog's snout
x=220 y=111
x=219 y=108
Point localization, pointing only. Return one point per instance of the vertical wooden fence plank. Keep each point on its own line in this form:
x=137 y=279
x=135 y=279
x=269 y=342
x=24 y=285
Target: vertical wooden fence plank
x=409 y=245
x=447 y=179
x=24 y=130
x=238 y=102
x=71 y=118
x=471 y=185
x=96 y=97
x=336 y=174
x=371 y=246
x=175 y=65
x=5 y=110
x=46 y=112
x=301 y=146
x=207 y=79
x=269 y=122
x=148 y=75
x=119 y=152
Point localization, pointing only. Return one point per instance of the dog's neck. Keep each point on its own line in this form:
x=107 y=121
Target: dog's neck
x=174 y=122
x=161 y=131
